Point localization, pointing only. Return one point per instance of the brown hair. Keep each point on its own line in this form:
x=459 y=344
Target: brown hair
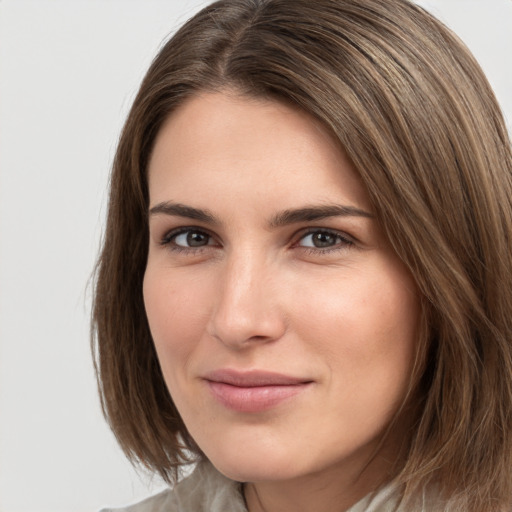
x=414 y=112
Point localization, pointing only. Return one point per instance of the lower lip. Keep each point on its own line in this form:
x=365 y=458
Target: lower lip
x=253 y=399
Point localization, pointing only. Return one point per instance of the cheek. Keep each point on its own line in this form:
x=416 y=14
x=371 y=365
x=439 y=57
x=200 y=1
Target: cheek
x=364 y=324
x=177 y=312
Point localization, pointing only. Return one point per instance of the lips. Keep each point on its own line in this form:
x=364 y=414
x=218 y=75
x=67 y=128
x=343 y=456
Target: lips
x=253 y=391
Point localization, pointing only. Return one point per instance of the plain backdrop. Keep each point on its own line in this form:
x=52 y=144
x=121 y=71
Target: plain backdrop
x=69 y=70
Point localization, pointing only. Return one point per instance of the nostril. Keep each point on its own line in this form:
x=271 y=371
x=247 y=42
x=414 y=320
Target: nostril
x=243 y=329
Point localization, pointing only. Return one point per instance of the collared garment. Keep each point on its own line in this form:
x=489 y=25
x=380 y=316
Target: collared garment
x=207 y=490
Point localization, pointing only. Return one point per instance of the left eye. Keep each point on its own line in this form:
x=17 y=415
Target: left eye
x=192 y=238
x=322 y=240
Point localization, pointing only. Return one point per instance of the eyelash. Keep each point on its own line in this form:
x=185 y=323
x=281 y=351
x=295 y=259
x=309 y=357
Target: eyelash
x=344 y=242
x=168 y=239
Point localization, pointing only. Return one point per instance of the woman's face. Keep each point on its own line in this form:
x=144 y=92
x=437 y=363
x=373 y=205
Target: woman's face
x=284 y=324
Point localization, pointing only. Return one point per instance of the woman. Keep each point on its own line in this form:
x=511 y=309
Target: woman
x=305 y=282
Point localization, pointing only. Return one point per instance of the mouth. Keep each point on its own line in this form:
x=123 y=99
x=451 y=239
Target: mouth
x=253 y=391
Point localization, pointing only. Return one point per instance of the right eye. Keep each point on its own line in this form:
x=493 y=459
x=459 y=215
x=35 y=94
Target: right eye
x=187 y=239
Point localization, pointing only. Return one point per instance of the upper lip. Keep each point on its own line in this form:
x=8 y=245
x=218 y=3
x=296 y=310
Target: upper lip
x=253 y=378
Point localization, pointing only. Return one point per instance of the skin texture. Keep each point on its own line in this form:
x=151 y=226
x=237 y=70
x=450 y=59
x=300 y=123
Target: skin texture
x=325 y=301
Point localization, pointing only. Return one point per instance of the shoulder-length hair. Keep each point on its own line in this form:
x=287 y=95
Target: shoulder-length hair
x=414 y=112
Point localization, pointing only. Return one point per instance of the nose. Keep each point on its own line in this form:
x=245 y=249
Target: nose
x=247 y=309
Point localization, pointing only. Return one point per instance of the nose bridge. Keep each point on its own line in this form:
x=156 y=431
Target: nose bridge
x=246 y=308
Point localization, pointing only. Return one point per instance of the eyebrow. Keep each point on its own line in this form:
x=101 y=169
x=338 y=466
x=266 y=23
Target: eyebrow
x=312 y=213
x=181 y=210
x=291 y=216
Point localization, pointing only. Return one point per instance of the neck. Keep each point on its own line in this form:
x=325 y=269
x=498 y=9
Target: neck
x=333 y=489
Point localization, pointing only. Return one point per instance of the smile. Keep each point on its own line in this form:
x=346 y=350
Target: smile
x=254 y=391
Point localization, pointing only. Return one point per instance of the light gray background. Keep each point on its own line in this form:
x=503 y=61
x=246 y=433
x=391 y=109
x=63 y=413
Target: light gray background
x=68 y=72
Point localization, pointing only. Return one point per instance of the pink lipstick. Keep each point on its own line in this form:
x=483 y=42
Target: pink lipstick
x=253 y=391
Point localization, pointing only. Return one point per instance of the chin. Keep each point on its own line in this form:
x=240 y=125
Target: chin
x=258 y=471
x=255 y=465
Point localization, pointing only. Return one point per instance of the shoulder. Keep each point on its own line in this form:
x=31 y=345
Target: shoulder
x=156 y=503
x=204 y=490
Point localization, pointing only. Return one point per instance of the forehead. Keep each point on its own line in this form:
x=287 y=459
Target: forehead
x=231 y=145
